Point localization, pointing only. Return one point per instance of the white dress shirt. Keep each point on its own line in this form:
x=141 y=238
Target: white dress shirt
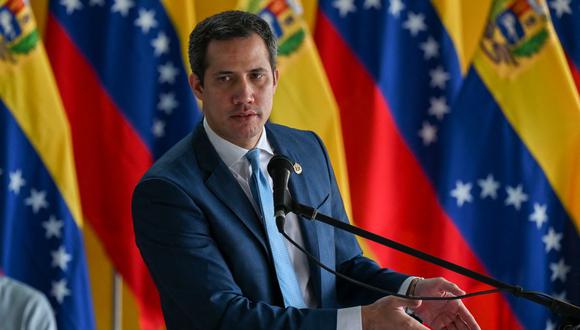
x=234 y=158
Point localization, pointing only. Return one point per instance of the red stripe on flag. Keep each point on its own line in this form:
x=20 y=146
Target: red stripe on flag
x=110 y=159
x=575 y=73
x=391 y=195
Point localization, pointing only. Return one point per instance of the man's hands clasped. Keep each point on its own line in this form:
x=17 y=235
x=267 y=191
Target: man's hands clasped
x=389 y=312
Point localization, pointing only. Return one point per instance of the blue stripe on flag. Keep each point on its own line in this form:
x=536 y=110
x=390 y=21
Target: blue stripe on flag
x=41 y=244
x=136 y=54
x=566 y=18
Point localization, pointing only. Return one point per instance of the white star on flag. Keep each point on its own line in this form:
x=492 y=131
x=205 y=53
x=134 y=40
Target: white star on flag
x=539 y=216
x=60 y=290
x=552 y=240
x=439 y=77
x=53 y=227
x=36 y=200
x=71 y=5
x=516 y=196
x=561 y=7
x=60 y=258
x=415 y=23
x=428 y=133
x=430 y=48
x=376 y=4
x=122 y=7
x=559 y=270
x=488 y=187
x=167 y=103
x=550 y=325
x=160 y=44
x=99 y=3
x=462 y=193
x=344 y=7
x=16 y=182
x=146 y=20
x=395 y=7
x=158 y=128
x=438 y=107
x=167 y=73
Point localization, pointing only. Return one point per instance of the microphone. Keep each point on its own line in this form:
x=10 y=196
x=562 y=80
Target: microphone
x=280 y=168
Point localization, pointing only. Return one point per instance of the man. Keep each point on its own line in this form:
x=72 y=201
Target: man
x=204 y=224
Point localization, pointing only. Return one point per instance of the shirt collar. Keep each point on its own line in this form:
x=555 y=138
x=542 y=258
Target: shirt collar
x=231 y=153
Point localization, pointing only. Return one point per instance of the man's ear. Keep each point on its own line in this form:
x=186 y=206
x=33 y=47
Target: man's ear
x=196 y=86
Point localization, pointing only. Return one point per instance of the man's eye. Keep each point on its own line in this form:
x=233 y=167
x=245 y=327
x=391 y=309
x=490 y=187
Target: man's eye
x=224 y=78
x=257 y=75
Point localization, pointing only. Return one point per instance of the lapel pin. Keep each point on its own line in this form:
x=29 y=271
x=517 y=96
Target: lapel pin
x=297 y=168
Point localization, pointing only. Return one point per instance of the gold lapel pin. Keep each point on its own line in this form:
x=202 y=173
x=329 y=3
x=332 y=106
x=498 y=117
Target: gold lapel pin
x=297 y=168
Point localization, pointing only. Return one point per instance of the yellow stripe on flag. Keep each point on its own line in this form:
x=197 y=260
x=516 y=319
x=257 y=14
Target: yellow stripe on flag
x=182 y=14
x=40 y=10
x=303 y=97
x=537 y=95
x=28 y=89
x=465 y=22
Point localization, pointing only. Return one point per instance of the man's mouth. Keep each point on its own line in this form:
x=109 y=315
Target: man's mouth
x=245 y=115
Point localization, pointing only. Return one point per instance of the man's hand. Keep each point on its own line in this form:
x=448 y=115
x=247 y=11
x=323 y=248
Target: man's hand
x=389 y=313
x=443 y=314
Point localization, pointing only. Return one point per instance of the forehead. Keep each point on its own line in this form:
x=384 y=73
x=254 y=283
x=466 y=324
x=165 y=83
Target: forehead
x=237 y=53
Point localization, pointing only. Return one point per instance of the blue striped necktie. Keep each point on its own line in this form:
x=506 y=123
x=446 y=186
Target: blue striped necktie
x=284 y=271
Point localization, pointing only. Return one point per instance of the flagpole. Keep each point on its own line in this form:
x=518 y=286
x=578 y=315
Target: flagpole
x=117 y=301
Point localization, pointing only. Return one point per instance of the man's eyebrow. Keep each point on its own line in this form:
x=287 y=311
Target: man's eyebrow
x=223 y=72
x=260 y=69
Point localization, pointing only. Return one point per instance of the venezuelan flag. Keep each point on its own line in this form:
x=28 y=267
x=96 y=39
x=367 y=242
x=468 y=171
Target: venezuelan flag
x=119 y=67
x=464 y=149
x=40 y=217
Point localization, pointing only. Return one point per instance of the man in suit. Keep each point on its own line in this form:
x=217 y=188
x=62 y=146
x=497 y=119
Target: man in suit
x=203 y=223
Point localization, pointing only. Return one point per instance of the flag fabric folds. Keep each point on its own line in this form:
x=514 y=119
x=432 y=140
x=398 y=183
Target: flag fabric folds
x=119 y=69
x=459 y=156
x=41 y=242
x=453 y=127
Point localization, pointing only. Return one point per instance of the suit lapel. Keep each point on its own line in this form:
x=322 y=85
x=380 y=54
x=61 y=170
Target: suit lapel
x=222 y=183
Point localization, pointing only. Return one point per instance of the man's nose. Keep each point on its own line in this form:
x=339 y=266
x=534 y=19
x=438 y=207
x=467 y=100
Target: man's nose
x=244 y=93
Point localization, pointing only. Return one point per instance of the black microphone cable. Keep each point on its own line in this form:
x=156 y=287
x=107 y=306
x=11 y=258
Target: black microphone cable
x=374 y=288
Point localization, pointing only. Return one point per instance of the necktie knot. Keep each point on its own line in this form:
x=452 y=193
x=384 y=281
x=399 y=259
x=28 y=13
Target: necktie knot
x=254 y=157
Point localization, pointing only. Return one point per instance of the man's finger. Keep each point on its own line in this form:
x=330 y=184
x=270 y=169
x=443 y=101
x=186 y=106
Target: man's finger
x=443 y=321
x=466 y=316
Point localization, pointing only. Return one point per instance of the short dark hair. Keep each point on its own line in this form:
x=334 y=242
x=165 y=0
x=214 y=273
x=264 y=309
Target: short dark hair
x=225 y=26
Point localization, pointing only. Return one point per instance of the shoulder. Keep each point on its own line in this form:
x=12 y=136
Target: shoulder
x=294 y=138
x=23 y=304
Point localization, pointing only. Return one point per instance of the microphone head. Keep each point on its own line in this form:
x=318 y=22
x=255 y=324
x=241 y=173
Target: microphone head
x=279 y=163
x=280 y=168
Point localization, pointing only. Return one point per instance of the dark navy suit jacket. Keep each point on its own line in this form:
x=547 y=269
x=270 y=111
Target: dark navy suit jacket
x=208 y=252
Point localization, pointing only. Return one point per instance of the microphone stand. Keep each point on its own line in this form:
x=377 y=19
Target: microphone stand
x=569 y=312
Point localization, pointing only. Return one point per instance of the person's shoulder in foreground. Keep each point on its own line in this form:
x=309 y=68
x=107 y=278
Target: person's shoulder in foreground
x=23 y=307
